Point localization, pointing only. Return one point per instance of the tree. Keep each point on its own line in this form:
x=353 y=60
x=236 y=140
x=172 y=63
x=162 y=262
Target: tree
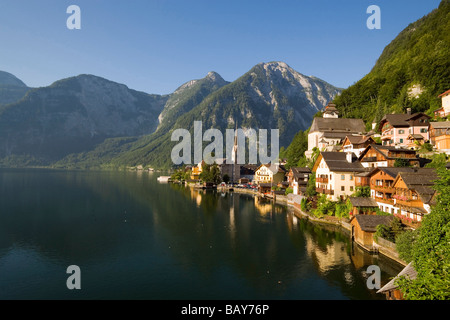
x=403 y=245
x=439 y=160
x=401 y=163
x=311 y=186
x=362 y=192
x=226 y=178
x=211 y=174
x=431 y=249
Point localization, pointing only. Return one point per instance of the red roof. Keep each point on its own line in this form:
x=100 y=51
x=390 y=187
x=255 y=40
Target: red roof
x=445 y=93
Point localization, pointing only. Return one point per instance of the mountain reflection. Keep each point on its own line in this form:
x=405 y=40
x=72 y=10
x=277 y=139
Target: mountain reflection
x=242 y=246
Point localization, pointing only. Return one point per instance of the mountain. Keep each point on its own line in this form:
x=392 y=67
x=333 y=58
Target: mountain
x=269 y=96
x=155 y=147
x=12 y=89
x=188 y=96
x=89 y=121
x=410 y=73
x=74 y=115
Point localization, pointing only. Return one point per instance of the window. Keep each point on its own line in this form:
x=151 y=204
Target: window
x=342 y=176
x=342 y=188
x=351 y=177
x=401 y=131
x=351 y=188
x=401 y=140
x=423 y=130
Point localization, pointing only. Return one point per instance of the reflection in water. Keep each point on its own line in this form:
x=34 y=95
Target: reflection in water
x=136 y=238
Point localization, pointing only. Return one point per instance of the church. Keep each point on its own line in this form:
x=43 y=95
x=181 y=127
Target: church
x=328 y=132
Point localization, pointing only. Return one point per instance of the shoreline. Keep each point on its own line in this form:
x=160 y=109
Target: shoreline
x=345 y=226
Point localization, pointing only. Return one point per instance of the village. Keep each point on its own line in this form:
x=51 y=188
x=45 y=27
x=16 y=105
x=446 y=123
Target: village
x=359 y=180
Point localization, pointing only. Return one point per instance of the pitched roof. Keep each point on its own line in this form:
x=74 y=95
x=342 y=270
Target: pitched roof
x=440 y=125
x=416 y=137
x=337 y=161
x=300 y=172
x=369 y=223
x=274 y=168
x=394 y=171
x=384 y=150
x=445 y=93
x=401 y=119
x=359 y=139
x=408 y=272
x=363 y=202
x=422 y=182
x=343 y=125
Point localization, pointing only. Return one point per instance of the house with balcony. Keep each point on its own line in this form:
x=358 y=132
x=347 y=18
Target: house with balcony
x=444 y=111
x=375 y=156
x=398 y=129
x=298 y=177
x=356 y=143
x=414 y=194
x=335 y=174
x=382 y=186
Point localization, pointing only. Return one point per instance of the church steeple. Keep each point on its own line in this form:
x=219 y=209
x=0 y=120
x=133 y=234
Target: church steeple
x=235 y=147
x=236 y=168
x=331 y=111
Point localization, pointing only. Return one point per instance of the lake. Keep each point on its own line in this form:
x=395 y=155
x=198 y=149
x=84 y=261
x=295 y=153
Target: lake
x=135 y=238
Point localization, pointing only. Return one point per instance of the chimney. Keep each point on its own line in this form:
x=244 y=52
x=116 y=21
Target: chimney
x=349 y=157
x=408 y=111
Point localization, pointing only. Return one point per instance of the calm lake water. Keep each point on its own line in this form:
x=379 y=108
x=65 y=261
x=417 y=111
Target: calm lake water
x=134 y=238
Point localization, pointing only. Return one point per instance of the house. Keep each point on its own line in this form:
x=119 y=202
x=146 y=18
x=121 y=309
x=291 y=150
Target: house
x=414 y=141
x=414 y=193
x=440 y=135
x=298 y=179
x=335 y=174
x=385 y=156
x=444 y=111
x=362 y=179
x=328 y=132
x=391 y=290
x=395 y=128
x=365 y=226
x=197 y=170
x=265 y=188
x=356 y=143
x=363 y=205
x=382 y=186
x=270 y=174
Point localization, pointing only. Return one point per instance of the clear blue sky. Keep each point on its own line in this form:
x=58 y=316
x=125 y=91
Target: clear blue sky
x=157 y=45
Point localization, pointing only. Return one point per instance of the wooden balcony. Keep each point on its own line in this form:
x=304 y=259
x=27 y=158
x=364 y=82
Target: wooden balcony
x=384 y=200
x=383 y=189
x=321 y=180
x=409 y=202
x=325 y=191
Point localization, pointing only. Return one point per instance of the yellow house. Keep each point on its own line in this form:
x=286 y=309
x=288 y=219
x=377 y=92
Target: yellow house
x=270 y=173
x=197 y=170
